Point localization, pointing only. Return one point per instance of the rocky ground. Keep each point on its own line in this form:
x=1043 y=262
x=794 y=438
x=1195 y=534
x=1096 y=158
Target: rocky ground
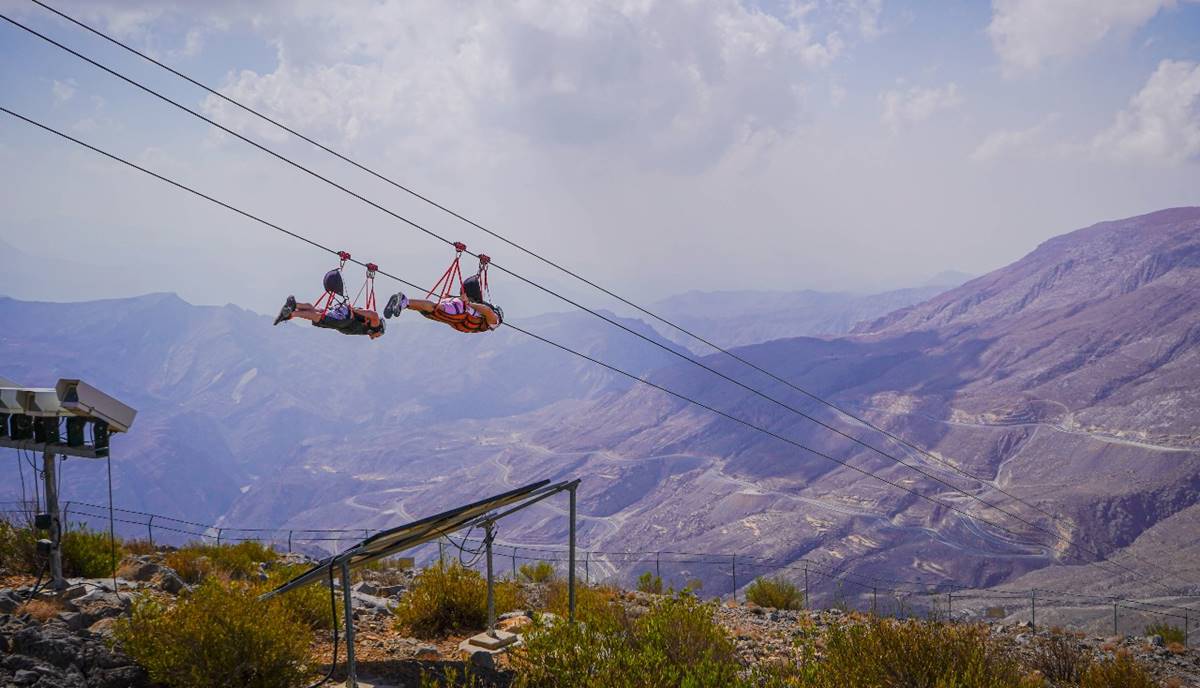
x=51 y=640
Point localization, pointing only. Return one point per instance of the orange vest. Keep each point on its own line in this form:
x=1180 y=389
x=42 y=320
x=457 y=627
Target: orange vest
x=464 y=322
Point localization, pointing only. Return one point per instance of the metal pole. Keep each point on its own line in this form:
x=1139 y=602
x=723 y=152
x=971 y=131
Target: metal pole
x=733 y=567
x=571 y=565
x=441 y=554
x=587 y=569
x=1115 y=619
x=219 y=536
x=657 y=570
x=150 y=529
x=1033 y=609
x=289 y=542
x=950 y=605
x=514 y=558
x=51 y=481
x=491 y=593
x=807 y=604
x=351 y=677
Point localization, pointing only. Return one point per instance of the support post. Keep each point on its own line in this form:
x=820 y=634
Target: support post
x=733 y=569
x=289 y=542
x=587 y=569
x=657 y=569
x=950 y=605
x=489 y=530
x=1033 y=609
x=514 y=562
x=571 y=565
x=219 y=536
x=150 y=530
x=1185 y=627
x=351 y=677
x=50 y=475
x=441 y=554
x=807 y=603
x=874 y=601
x=1115 y=619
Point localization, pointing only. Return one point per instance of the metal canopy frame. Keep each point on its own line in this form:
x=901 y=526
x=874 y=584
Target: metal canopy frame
x=478 y=514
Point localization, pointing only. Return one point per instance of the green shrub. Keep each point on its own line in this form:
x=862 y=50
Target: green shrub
x=196 y=561
x=596 y=606
x=1120 y=672
x=88 y=553
x=309 y=604
x=18 y=548
x=1169 y=634
x=452 y=598
x=1059 y=658
x=776 y=593
x=219 y=635
x=648 y=582
x=883 y=652
x=540 y=572
x=676 y=643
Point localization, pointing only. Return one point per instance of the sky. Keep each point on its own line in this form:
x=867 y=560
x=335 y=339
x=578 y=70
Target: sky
x=654 y=147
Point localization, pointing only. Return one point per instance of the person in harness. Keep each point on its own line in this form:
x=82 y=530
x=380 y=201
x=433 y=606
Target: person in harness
x=467 y=312
x=338 y=313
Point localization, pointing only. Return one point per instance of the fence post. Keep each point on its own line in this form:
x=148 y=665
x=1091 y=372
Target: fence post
x=657 y=570
x=807 y=604
x=1115 y=619
x=1033 y=609
x=733 y=564
x=219 y=536
x=587 y=573
x=1185 y=627
x=874 y=601
x=514 y=558
x=289 y=542
x=950 y=604
x=150 y=529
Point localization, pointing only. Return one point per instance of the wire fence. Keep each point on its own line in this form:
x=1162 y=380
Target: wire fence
x=707 y=574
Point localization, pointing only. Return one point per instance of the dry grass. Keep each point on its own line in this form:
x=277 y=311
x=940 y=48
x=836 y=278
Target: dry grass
x=40 y=610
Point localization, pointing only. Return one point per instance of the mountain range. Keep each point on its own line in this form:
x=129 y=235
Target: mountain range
x=1067 y=379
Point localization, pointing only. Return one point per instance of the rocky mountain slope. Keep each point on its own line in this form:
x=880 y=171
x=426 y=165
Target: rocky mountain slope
x=1067 y=379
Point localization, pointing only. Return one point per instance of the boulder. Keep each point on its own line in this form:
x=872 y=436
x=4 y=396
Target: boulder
x=170 y=582
x=483 y=659
x=366 y=588
x=428 y=653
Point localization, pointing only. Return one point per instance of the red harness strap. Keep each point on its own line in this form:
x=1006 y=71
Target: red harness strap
x=453 y=273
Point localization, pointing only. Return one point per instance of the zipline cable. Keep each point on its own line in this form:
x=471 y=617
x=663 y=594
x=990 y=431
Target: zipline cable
x=1017 y=537
x=840 y=410
x=548 y=291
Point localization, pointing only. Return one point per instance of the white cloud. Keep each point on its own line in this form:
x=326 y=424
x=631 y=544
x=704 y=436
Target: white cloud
x=917 y=104
x=1162 y=122
x=63 y=91
x=1025 y=33
x=1015 y=142
x=673 y=85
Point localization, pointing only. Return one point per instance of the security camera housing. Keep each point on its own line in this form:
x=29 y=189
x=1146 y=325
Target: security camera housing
x=85 y=400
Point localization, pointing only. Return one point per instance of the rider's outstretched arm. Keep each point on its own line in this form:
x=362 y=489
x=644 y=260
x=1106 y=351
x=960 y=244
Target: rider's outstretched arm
x=371 y=317
x=486 y=311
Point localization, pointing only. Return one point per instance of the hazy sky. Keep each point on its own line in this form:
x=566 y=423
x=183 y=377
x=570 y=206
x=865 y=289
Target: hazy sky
x=653 y=146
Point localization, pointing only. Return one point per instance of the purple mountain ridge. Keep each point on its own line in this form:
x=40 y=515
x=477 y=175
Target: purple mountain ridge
x=1068 y=379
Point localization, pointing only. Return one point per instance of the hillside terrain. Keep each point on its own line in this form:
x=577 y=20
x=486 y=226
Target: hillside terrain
x=1066 y=379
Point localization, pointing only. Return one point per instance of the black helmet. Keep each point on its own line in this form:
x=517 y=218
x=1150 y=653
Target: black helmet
x=473 y=289
x=333 y=282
